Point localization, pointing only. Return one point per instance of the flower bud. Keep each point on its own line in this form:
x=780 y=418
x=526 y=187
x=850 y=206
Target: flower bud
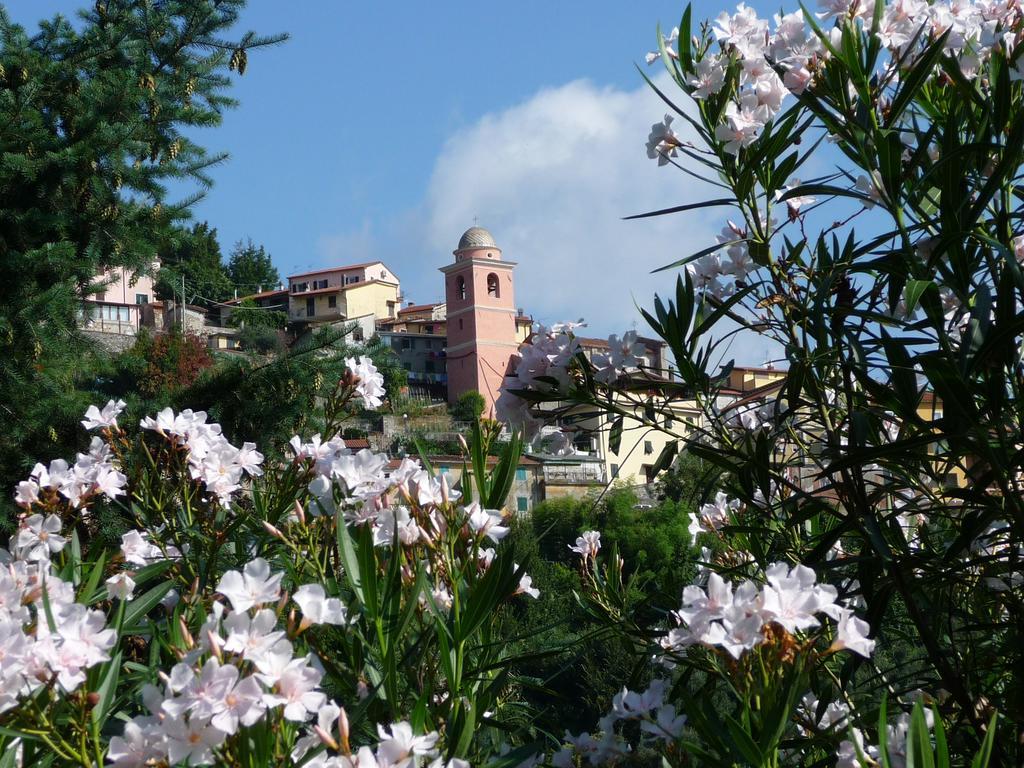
x=343 y=730
x=325 y=737
x=272 y=530
x=185 y=634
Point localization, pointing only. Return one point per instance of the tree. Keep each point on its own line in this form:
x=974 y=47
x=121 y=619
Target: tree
x=191 y=261
x=248 y=314
x=261 y=339
x=468 y=406
x=250 y=268
x=97 y=120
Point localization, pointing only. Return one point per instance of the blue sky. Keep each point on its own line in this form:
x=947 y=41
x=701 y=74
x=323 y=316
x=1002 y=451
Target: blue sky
x=380 y=130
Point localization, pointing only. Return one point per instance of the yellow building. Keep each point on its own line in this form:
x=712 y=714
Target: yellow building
x=361 y=293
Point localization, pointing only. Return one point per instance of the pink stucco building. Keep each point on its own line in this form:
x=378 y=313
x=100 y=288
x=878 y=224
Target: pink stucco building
x=482 y=319
x=124 y=304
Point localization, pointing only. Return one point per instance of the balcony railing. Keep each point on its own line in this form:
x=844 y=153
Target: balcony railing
x=575 y=474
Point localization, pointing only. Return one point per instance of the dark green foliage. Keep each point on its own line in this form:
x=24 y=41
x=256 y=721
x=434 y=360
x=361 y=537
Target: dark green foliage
x=689 y=479
x=468 y=406
x=191 y=262
x=96 y=121
x=248 y=314
x=260 y=339
x=572 y=690
x=268 y=400
x=250 y=268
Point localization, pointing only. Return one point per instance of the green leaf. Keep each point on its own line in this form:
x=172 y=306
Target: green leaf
x=106 y=690
x=615 y=435
x=685 y=43
x=347 y=554
x=742 y=743
x=913 y=291
x=140 y=606
x=85 y=595
x=668 y=453
x=680 y=208
x=981 y=760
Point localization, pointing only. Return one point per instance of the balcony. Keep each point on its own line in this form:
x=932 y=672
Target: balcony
x=585 y=473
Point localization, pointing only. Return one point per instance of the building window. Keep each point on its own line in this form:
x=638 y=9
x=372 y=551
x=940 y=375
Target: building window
x=310 y=306
x=332 y=302
x=428 y=329
x=383 y=274
x=521 y=475
x=352 y=279
x=357 y=334
x=406 y=343
x=299 y=287
x=460 y=323
x=492 y=286
x=522 y=504
x=648 y=447
x=615 y=471
x=141 y=298
x=460 y=287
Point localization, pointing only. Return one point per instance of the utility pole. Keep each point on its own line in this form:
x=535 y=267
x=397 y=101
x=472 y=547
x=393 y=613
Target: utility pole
x=181 y=328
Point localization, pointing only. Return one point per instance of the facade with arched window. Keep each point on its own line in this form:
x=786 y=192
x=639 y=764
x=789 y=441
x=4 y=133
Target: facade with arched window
x=483 y=330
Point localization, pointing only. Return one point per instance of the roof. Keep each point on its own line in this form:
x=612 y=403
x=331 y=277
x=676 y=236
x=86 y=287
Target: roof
x=603 y=343
x=341 y=288
x=263 y=295
x=356 y=443
x=476 y=237
x=343 y=268
x=759 y=369
x=524 y=461
x=420 y=307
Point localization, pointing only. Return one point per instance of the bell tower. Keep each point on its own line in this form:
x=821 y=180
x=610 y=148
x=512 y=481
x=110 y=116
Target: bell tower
x=481 y=325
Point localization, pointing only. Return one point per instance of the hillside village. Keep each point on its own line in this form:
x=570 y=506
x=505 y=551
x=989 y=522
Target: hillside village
x=463 y=344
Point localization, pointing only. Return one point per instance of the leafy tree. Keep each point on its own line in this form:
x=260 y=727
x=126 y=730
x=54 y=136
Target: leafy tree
x=251 y=269
x=97 y=120
x=690 y=479
x=261 y=339
x=173 y=362
x=191 y=261
x=251 y=315
x=468 y=406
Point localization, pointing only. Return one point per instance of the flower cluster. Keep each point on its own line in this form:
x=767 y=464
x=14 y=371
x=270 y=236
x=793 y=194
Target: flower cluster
x=735 y=619
x=711 y=273
x=211 y=458
x=46 y=638
x=93 y=474
x=369 y=384
x=588 y=545
x=713 y=515
x=241 y=668
x=398 y=747
x=658 y=720
x=773 y=63
x=544 y=364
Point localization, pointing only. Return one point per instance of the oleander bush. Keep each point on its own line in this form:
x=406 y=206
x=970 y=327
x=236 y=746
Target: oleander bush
x=848 y=589
x=869 y=497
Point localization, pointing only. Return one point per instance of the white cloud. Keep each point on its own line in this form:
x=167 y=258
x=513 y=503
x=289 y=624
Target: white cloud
x=552 y=179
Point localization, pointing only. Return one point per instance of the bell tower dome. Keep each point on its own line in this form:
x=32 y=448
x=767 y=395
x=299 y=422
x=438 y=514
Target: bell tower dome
x=481 y=325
